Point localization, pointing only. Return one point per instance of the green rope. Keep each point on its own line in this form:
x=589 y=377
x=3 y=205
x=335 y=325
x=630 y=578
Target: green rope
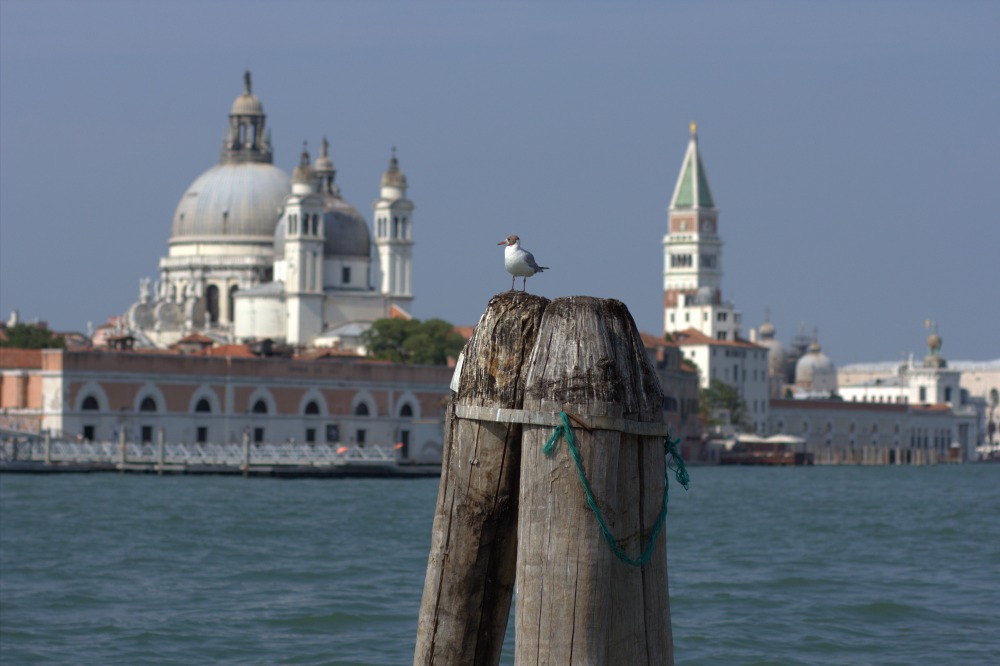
x=676 y=465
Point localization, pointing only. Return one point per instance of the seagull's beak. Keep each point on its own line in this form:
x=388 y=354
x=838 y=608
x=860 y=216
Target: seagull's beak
x=503 y=242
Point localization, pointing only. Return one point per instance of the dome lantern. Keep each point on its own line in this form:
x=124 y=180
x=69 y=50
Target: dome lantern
x=247 y=140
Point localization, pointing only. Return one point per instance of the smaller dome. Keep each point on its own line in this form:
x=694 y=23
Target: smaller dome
x=815 y=370
x=303 y=173
x=345 y=229
x=394 y=177
x=247 y=104
x=767 y=330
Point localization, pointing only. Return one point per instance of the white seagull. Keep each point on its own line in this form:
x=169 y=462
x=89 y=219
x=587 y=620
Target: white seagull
x=518 y=261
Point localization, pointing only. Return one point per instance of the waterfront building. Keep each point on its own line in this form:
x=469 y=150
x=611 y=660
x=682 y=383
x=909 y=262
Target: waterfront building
x=220 y=393
x=900 y=413
x=738 y=363
x=254 y=254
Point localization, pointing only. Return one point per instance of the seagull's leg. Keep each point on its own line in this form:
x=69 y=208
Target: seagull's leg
x=524 y=285
x=512 y=278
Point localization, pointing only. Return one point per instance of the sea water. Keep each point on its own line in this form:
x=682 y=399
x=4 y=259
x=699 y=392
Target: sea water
x=820 y=565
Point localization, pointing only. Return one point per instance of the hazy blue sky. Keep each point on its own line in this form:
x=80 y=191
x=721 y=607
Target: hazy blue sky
x=853 y=148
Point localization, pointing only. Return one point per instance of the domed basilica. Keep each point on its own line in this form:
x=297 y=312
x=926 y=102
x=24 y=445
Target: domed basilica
x=254 y=254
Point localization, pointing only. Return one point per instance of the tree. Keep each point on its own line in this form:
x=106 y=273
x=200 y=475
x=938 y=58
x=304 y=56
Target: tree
x=430 y=342
x=31 y=336
x=721 y=397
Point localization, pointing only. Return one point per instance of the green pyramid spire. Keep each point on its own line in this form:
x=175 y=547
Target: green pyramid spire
x=692 y=189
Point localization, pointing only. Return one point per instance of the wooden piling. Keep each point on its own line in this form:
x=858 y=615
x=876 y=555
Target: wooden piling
x=577 y=603
x=470 y=571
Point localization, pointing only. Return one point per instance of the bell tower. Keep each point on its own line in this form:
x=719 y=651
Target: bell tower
x=394 y=235
x=304 y=238
x=692 y=255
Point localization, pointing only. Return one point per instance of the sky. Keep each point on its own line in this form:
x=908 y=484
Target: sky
x=853 y=148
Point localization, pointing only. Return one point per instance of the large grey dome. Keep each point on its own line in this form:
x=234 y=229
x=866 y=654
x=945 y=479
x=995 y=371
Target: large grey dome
x=232 y=200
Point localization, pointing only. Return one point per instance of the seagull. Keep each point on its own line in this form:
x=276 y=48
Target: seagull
x=519 y=261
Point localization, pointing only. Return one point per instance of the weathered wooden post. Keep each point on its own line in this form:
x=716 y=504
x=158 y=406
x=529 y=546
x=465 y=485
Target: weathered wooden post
x=48 y=447
x=577 y=601
x=470 y=572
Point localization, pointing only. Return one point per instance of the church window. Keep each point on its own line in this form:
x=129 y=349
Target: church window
x=406 y=411
x=923 y=394
x=147 y=405
x=212 y=303
x=258 y=435
x=146 y=433
x=203 y=406
x=312 y=407
x=361 y=409
x=310 y=435
x=947 y=394
x=90 y=404
x=259 y=407
x=359 y=437
x=345 y=275
x=201 y=435
x=89 y=433
x=315 y=225
x=232 y=301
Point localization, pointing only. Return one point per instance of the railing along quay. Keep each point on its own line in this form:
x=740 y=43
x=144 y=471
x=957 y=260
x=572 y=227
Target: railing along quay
x=268 y=459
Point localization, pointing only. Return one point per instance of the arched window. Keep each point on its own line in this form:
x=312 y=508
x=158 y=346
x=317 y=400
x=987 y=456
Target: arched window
x=312 y=407
x=406 y=411
x=212 y=303
x=259 y=407
x=203 y=406
x=90 y=404
x=147 y=405
x=232 y=303
x=361 y=409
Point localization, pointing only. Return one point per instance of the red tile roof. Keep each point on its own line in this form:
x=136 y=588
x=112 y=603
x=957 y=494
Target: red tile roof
x=692 y=336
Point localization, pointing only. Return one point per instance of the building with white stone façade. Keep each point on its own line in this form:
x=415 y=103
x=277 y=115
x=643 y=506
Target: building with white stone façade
x=896 y=413
x=254 y=254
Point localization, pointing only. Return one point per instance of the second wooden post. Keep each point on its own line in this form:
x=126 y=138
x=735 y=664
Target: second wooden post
x=577 y=602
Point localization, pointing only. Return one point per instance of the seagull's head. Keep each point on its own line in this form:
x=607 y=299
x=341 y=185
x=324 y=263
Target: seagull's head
x=510 y=240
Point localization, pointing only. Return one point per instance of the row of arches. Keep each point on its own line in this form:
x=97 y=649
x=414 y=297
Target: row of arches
x=205 y=401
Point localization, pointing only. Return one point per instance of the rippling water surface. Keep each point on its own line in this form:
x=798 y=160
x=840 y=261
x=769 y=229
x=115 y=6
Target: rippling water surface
x=823 y=565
